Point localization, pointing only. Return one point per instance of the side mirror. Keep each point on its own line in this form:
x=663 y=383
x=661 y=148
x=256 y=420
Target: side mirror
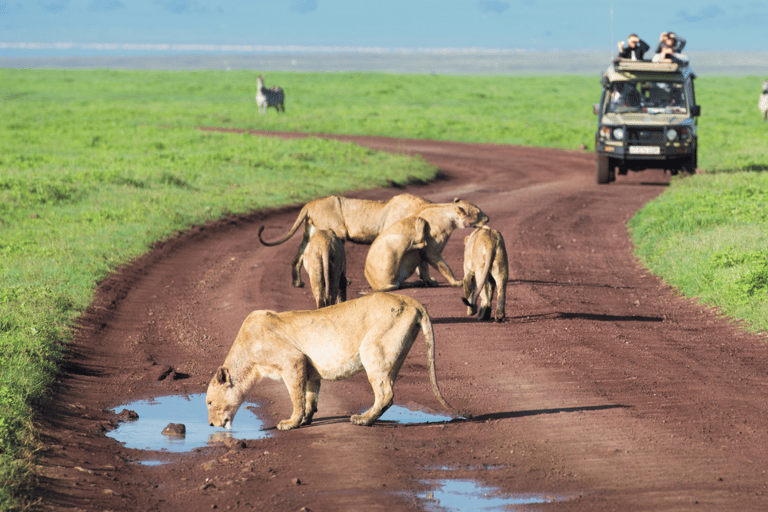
x=696 y=110
x=596 y=109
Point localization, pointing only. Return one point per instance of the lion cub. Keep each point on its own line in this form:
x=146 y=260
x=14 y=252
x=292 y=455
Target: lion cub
x=485 y=267
x=325 y=261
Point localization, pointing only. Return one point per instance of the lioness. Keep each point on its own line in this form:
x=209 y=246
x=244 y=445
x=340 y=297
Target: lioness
x=326 y=265
x=396 y=252
x=356 y=220
x=485 y=267
x=373 y=333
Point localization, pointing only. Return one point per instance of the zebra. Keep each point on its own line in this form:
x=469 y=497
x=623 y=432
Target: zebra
x=272 y=97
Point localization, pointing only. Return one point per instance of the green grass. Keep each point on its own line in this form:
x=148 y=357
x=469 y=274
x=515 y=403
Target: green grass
x=708 y=237
x=88 y=182
x=732 y=134
x=97 y=165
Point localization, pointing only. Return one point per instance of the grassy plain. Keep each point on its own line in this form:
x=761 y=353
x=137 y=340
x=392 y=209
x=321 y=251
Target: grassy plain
x=708 y=237
x=97 y=165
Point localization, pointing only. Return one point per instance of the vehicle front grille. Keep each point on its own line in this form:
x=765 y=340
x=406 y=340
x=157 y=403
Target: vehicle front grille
x=645 y=135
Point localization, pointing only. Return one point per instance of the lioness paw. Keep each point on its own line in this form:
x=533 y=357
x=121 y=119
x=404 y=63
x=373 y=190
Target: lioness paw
x=287 y=425
x=359 y=419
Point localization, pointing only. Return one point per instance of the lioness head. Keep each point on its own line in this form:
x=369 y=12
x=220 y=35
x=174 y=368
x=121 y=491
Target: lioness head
x=471 y=215
x=223 y=399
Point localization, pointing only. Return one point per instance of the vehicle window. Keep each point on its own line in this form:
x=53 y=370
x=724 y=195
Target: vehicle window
x=650 y=97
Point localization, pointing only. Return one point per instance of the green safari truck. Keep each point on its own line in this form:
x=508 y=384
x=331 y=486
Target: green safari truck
x=646 y=119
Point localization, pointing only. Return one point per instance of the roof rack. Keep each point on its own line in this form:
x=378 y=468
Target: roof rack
x=644 y=65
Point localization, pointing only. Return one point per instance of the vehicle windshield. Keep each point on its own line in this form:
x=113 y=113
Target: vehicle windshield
x=648 y=97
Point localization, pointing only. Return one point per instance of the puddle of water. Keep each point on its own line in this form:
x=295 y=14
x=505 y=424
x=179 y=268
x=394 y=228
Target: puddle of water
x=152 y=462
x=404 y=415
x=145 y=433
x=468 y=495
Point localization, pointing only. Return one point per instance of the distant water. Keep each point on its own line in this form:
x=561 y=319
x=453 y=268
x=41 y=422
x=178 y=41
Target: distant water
x=506 y=63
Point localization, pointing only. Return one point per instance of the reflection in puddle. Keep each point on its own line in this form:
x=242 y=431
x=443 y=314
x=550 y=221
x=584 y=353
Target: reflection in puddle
x=145 y=433
x=468 y=495
x=404 y=415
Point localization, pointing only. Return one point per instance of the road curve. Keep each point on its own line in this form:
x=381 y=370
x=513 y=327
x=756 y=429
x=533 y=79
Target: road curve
x=602 y=390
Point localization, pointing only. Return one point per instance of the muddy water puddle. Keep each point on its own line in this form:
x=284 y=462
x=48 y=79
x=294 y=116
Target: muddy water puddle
x=407 y=415
x=145 y=433
x=460 y=495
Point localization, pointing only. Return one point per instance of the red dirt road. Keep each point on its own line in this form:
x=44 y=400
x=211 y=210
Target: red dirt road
x=602 y=388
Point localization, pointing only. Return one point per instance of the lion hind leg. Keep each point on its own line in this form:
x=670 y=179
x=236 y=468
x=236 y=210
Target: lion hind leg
x=484 y=299
x=500 y=273
x=501 y=299
x=311 y=396
x=468 y=299
x=294 y=376
x=382 y=361
x=384 y=398
x=297 y=260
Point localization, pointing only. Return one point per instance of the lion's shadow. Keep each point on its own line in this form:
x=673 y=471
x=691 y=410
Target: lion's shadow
x=329 y=420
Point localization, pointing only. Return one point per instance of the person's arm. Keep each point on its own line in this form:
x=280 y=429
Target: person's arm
x=642 y=48
x=680 y=44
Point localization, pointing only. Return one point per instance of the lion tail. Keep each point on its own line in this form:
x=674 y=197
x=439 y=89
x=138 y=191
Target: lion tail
x=303 y=216
x=327 y=278
x=482 y=277
x=429 y=337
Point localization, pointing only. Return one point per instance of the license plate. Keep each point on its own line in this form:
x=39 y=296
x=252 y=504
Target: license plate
x=644 y=150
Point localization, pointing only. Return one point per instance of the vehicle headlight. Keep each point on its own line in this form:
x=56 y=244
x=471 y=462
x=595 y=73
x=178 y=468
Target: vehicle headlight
x=618 y=133
x=671 y=134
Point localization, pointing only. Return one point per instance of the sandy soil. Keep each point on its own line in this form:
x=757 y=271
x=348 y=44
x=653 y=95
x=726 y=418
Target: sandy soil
x=602 y=388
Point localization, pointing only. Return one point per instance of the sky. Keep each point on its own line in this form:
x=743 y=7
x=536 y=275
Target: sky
x=130 y=27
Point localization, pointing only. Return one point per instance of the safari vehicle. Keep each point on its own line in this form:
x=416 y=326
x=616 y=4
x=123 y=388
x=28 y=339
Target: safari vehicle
x=646 y=119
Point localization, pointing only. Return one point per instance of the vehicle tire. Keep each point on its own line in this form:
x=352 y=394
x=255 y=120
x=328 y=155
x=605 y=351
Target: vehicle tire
x=604 y=169
x=688 y=167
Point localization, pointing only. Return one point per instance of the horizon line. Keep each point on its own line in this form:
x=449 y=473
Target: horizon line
x=262 y=48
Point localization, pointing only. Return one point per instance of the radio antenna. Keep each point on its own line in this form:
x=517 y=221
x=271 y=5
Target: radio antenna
x=612 y=39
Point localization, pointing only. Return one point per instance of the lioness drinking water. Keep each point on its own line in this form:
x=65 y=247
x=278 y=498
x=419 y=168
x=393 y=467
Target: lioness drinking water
x=373 y=333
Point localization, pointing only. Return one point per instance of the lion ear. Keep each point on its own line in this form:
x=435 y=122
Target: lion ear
x=223 y=377
x=456 y=199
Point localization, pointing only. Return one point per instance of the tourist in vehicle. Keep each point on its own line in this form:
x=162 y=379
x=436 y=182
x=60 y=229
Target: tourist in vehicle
x=624 y=94
x=668 y=54
x=670 y=40
x=634 y=48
